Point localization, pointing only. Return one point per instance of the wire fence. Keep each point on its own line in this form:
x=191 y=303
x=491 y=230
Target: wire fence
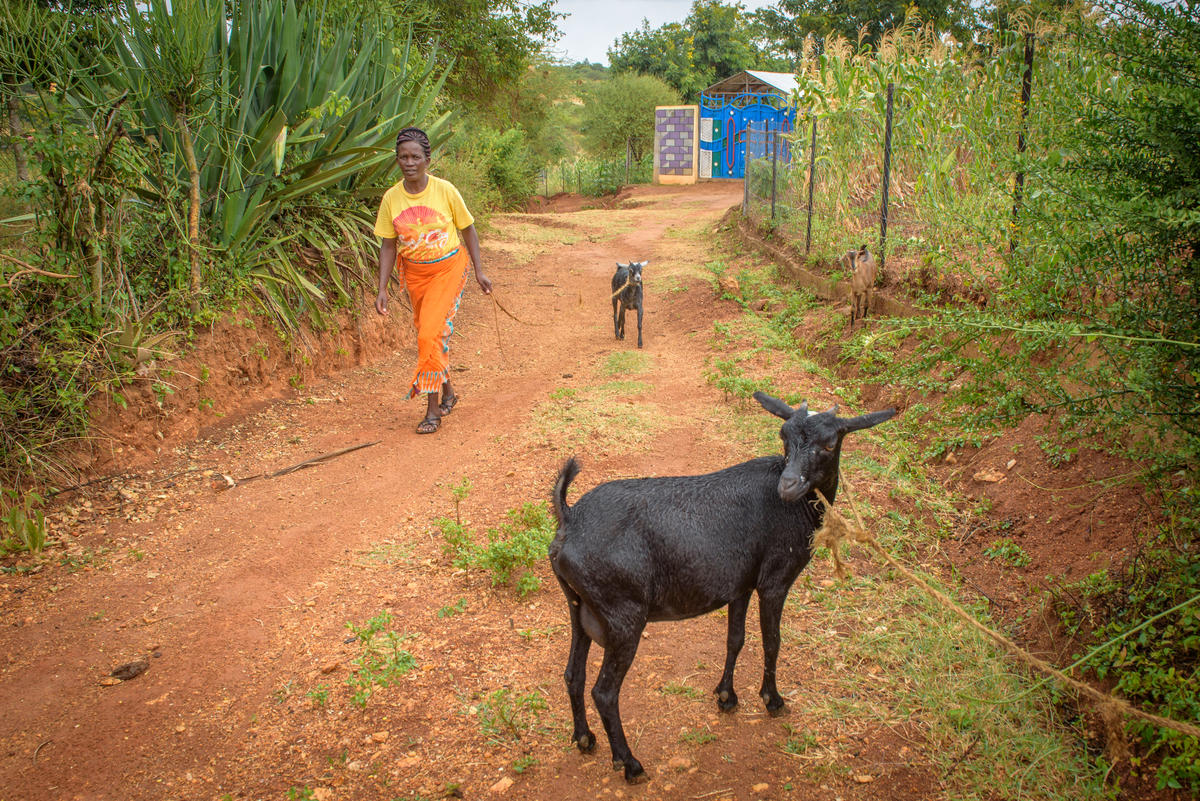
x=921 y=161
x=595 y=177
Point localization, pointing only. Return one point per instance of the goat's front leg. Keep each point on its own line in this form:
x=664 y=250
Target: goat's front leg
x=618 y=656
x=576 y=678
x=616 y=325
x=639 y=325
x=727 y=699
x=770 y=612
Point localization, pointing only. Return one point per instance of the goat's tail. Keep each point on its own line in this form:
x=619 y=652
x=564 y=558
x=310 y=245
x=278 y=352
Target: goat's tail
x=559 y=498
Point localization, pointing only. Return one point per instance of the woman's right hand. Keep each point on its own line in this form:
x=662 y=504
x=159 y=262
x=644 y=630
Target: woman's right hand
x=381 y=302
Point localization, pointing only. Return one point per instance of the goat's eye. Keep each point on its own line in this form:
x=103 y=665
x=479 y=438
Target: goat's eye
x=829 y=448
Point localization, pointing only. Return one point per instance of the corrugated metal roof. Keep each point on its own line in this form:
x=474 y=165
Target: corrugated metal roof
x=755 y=81
x=783 y=81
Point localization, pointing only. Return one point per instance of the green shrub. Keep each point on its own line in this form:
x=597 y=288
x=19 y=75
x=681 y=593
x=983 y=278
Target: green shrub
x=382 y=661
x=24 y=522
x=1158 y=667
x=512 y=550
x=505 y=716
x=517 y=546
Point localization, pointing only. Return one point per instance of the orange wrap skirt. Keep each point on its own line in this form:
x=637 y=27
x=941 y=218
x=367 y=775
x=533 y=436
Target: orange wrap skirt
x=435 y=289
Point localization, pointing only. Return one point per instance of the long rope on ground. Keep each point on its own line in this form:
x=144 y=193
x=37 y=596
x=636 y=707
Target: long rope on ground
x=500 y=306
x=836 y=528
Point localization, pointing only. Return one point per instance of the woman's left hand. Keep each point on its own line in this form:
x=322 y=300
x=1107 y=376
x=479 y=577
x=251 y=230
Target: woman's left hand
x=485 y=283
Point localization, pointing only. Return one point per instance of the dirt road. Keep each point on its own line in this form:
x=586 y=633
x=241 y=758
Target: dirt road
x=240 y=599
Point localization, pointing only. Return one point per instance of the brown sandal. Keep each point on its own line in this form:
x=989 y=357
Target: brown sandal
x=429 y=425
x=447 y=405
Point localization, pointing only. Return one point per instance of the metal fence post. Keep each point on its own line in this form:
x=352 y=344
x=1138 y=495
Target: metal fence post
x=1019 y=183
x=745 y=189
x=887 y=166
x=812 y=162
x=774 y=140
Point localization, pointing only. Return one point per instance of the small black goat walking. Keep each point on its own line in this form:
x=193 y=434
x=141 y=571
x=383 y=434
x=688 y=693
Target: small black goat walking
x=648 y=549
x=627 y=295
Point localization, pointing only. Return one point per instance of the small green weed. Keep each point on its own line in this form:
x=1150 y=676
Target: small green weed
x=319 y=695
x=300 y=794
x=1007 y=551
x=505 y=716
x=697 y=737
x=800 y=742
x=451 y=611
x=24 y=522
x=459 y=493
x=382 y=661
x=74 y=562
x=674 y=688
x=523 y=764
x=1057 y=453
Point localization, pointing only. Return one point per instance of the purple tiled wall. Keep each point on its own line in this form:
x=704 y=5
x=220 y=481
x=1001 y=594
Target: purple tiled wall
x=676 y=129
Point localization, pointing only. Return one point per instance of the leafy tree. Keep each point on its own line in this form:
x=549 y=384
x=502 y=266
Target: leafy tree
x=619 y=114
x=714 y=42
x=665 y=53
x=788 y=22
x=539 y=107
x=485 y=44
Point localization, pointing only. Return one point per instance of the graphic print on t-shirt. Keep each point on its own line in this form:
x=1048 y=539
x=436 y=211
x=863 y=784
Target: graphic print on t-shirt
x=422 y=233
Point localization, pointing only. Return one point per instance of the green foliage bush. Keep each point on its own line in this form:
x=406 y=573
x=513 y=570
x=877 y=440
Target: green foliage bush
x=381 y=662
x=24 y=522
x=504 y=715
x=493 y=170
x=618 y=115
x=521 y=542
x=290 y=126
x=1159 y=666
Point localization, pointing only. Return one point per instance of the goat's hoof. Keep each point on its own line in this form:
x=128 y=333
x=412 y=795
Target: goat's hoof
x=586 y=742
x=775 y=705
x=727 y=700
x=634 y=773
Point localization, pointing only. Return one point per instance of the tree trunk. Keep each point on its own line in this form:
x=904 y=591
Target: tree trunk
x=92 y=249
x=189 y=156
x=17 y=131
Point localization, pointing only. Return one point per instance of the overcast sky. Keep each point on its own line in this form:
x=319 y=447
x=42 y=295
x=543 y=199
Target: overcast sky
x=592 y=26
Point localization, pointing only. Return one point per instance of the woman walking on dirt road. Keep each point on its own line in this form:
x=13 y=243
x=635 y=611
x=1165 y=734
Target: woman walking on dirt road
x=424 y=223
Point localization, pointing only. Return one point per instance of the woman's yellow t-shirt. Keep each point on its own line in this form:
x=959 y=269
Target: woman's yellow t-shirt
x=425 y=225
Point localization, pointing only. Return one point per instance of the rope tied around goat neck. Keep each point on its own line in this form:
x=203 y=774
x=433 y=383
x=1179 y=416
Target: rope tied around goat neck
x=835 y=529
x=622 y=289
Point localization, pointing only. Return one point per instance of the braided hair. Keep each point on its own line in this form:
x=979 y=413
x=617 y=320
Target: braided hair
x=414 y=135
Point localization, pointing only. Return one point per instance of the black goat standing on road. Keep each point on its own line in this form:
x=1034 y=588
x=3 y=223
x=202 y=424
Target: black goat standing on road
x=648 y=549
x=627 y=295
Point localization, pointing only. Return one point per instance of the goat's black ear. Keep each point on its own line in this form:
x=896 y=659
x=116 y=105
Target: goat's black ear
x=865 y=420
x=621 y=266
x=777 y=407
